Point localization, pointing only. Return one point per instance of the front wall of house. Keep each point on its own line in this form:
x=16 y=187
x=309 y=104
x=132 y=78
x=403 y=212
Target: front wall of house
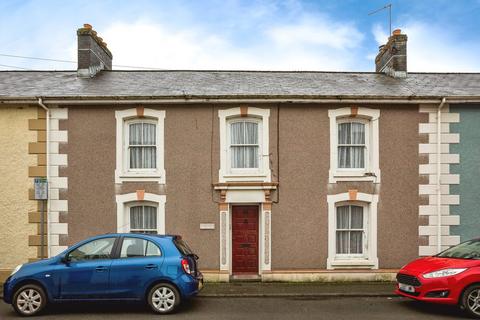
x=191 y=164
x=189 y=176
x=299 y=209
x=300 y=220
x=398 y=205
x=90 y=172
x=15 y=205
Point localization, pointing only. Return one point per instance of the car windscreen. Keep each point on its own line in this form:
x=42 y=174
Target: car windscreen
x=465 y=250
x=182 y=246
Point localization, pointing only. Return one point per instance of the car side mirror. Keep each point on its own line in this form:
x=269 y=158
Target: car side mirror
x=65 y=259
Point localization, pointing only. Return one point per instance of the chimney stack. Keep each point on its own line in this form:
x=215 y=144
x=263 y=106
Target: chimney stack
x=93 y=54
x=392 y=57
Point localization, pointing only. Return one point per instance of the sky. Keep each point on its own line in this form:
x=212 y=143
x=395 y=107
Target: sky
x=334 y=35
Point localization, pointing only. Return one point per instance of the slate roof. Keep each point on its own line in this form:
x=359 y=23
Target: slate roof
x=215 y=84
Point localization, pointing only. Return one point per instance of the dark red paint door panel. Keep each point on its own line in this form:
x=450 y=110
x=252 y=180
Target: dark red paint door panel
x=245 y=239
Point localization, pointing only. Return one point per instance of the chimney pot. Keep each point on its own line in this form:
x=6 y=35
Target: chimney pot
x=87 y=26
x=397 y=32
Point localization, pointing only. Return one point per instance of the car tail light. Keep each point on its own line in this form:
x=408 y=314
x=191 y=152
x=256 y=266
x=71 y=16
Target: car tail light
x=186 y=266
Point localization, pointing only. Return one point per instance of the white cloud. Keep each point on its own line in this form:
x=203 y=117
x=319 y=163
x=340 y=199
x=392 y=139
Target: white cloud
x=433 y=48
x=317 y=31
x=307 y=45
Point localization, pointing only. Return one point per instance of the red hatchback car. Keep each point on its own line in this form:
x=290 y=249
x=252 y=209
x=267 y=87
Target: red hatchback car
x=450 y=277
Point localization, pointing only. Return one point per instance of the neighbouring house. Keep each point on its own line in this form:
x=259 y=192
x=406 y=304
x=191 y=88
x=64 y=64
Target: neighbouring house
x=22 y=158
x=270 y=175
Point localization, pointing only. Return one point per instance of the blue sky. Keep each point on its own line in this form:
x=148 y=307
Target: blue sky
x=255 y=35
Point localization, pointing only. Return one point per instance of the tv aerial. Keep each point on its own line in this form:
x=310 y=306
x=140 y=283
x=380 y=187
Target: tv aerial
x=389 y=7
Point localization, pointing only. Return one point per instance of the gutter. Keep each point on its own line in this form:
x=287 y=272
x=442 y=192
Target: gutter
x=42 y=105
x=439 y=168
x=265 y=100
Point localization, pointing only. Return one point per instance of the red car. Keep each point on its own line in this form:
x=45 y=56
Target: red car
x=450 y=277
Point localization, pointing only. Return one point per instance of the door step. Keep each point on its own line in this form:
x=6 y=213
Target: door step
x=245 y=278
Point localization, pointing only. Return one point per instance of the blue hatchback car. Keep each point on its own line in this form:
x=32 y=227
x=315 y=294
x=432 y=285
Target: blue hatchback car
x=161 y=270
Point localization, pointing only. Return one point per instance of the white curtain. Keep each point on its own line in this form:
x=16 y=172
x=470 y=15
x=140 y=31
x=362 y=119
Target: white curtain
x=351 y=145
x=142 y=145
x=150 y=217
x=350 y=229
x=143 y=219
x=342 y=224
x=136 y=218
x=244 y=144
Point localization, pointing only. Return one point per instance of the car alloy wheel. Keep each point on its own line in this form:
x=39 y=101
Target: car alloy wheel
x=163 y=298
x=29 y=300
x=471 y=300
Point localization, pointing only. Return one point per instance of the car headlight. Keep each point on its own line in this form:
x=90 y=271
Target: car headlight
x=16 y=269
x=443 y=273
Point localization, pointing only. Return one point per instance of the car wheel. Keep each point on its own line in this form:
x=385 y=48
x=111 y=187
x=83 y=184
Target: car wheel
x=163 y=298
x=471 y=300
x=29 y=300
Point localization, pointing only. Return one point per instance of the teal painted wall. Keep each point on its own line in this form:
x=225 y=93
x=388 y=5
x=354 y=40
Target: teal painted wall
x=469 y=170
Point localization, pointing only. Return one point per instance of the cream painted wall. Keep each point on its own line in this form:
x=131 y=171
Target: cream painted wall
x=14 y=185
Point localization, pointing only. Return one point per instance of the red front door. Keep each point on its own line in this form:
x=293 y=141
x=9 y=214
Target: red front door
x=245 y=239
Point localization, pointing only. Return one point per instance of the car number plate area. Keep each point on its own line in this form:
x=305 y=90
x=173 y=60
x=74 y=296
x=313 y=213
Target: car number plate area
x=406 y=287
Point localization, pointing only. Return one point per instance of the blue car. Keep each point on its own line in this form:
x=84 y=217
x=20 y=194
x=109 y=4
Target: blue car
x=161 y=270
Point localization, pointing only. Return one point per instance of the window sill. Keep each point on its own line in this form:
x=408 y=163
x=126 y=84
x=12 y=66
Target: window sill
x=247 y=177
x=353 y=263
x=336 y=176
x=140 y=176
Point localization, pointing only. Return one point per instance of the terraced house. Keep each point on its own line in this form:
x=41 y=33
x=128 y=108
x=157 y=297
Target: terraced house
x=270 y=175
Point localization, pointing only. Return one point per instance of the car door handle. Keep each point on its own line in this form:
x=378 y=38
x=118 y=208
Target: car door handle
x=151 y=266
x=101 y=268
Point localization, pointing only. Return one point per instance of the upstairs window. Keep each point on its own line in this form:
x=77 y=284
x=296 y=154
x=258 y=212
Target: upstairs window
x=244 y=144
x=351 y=145
x=354 y=144
x=142 y=145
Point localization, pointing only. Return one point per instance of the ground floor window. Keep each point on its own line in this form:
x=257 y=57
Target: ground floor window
x=143 y=219
x=141 y=212
x=350 y=230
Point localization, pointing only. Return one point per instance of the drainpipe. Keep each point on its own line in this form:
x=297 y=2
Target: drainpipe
x=439 y=167
x=40 y=103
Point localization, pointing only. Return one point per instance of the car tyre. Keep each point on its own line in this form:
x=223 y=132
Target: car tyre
x=29 y=300
x=163 y=298
x=471 y=300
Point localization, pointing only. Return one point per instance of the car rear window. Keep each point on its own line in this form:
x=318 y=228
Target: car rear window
x=182 y=246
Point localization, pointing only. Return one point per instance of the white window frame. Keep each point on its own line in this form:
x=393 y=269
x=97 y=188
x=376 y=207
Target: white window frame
x=226 y=173
x=371 y=172
x=369 y=257
x=244 y=171
x=130 y=205
x=365 y=213
x=126 y=153
x=125 y=201
x=122 y=171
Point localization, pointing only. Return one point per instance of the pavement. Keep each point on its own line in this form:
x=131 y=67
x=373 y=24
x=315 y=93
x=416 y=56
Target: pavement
x=298 y=289
x=294 y=289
